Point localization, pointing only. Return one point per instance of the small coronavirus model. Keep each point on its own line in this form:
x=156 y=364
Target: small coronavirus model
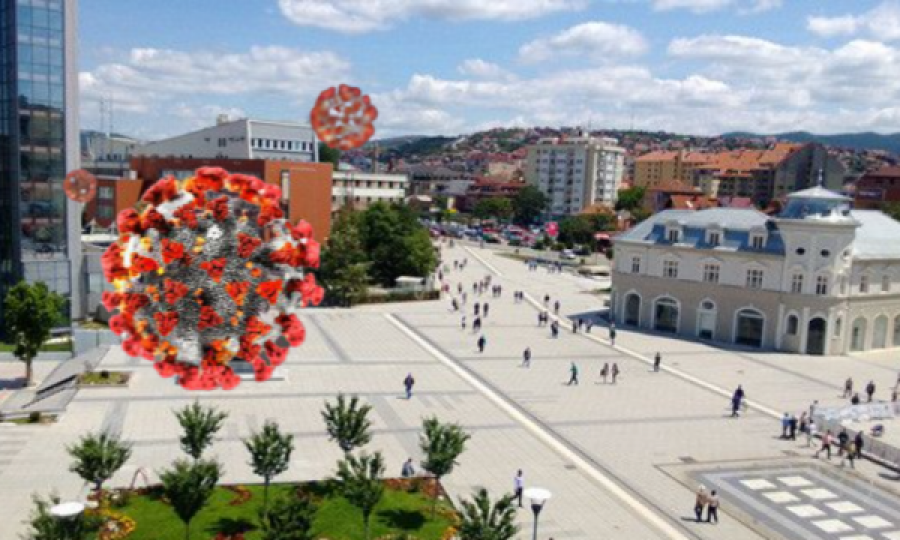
x=207 y=273
x=80 y=186
x=343 y=117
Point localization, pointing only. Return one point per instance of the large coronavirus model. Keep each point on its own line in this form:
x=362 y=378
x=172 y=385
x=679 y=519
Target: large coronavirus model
x=207 y=273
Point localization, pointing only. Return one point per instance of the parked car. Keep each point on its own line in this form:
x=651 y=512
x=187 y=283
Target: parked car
x=567 y=254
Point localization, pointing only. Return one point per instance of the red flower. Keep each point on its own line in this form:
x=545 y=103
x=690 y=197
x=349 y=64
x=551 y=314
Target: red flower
x=313 y=251
x=174 y=290
x=166 y=321
x=228 y=379
x=151 y=219
x=237 y=182
x=129 y=221
x=238 y=291
x=163 y=190
x=276 y=354
x=112 y=300
x=149 y=344
x=135 y=301
x=171 y=250
x=296 y=335
x=263 y=372
x=189 y=379
x=187 y=215
x=208 y=318
x=219 y=208
x=271 y=192
x=249 y=351
x=247 y=244
x=267 y=213
x=132 y=347
x=121 y=323
x=302 y=230
x=270 y=290
x=143 y=265
x=166 y=368
x=286 y=255
x=211 y=178
x=215 y=268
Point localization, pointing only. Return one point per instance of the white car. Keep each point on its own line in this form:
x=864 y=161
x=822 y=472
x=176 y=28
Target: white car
x=567 y=254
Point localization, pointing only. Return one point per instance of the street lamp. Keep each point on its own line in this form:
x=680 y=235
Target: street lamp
x=537 y=496
x=68 y=514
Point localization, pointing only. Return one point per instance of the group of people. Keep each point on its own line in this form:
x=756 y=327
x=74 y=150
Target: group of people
x=709 y=502
x=848 y=449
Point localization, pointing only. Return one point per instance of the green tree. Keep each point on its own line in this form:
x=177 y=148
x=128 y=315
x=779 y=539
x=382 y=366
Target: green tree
x=200 y=425
x=396 y=244
x=98 y=457
x=329 y=155
x=30 y=312
x=493 y=208
x=344 y=270
x=441 y=444
x=290 y=518
x=483 y=519
x=528 y=205
x=581 y=229
x=188 y=486
x=892 y=209
x=348 y=422
x=630 y=198
x=270 y=455
x=361 y=483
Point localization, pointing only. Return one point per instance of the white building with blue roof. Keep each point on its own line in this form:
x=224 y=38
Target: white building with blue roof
x=819 y=278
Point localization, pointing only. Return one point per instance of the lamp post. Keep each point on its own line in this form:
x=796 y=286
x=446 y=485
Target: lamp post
x=69 y=515
x=537 y=496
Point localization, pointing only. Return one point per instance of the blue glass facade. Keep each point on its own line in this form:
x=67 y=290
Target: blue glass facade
x=33 y=148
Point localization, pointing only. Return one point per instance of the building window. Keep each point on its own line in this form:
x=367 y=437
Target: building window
x=754 y=278
x=106 y=193
x=863 y=284
x=670 y=269
x=714 y=238
x=635 y=265
x=711 y=273
x=757 y=242
x=793 y=324
x=885 y=283
x=223 y=142
x=673 y=235
x=822 y=285
x=797 y=284
x=837 y=327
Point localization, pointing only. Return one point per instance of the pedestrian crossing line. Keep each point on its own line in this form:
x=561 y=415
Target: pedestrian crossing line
x=613 y=488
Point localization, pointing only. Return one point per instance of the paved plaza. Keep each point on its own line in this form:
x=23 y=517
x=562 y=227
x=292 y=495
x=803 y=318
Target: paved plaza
x=621 y=459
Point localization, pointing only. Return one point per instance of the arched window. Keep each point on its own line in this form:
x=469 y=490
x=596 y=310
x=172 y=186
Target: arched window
x=858 y=334
x=793 y=325
x=666 y=314
x=879 y=332
x=749 y=327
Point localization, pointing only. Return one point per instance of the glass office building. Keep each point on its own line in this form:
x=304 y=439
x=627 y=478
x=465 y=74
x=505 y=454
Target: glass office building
x=39 y=225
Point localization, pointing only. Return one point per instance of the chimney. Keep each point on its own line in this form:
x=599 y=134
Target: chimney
x=222 y=119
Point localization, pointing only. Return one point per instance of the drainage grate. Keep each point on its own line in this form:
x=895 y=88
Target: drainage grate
x=687 y=459
x=790 y=453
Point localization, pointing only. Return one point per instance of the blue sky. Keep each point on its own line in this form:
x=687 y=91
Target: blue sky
x=454 y=66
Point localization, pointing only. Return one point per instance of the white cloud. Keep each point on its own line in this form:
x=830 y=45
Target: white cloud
x=481 y=69
x=358 y=16
x=595 y=40
x=737 y=49
x=881 y=22
x=707 y=6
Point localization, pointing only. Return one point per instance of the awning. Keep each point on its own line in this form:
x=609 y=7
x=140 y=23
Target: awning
x=601 y=236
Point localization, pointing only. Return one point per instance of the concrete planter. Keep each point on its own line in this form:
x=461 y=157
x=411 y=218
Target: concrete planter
x=84 y=340
x=128 y=375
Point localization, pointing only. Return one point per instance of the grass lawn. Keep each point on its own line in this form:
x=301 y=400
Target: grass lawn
x=61 y=346
x=398 y=512
x=112 y=377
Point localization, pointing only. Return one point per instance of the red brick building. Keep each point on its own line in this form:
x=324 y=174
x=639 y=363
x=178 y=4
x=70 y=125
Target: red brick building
x=878 y=187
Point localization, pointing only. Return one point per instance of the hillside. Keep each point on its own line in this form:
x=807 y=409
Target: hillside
x=852 y=141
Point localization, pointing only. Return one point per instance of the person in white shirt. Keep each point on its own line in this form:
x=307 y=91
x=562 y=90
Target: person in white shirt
x=519 y=484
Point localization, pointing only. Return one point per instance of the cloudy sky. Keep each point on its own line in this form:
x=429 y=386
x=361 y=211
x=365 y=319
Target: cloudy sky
x=456 y=66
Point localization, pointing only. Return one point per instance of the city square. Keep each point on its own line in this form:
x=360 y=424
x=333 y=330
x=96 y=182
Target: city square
x=605 y=451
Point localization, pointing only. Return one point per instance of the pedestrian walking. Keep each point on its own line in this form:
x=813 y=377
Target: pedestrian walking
x=604 y=373
x=465 y=298
x=848 y=388
x=546 y=300
x=477 y=308
x=573 y=375
x=614 y=372
x=519 y=487
x=850 y=454
x=408 y=471
x=574 y=327
x=476 y=325
x=785 y=425
x=526 y=357
x=700 y=503
x=455 y=305
x=843 y=438
x=462 y=323
x=487 y=307
x=804 y=422
x=826 y=445
x=870 y=390
x=792 y=428
x=556 y=308
x=589 y=326
x=612 y=336
x=482 y=341
x=657 y=360
x=858 y=444
x=554 y=329
x=855 y=399
x=712 y=508
x=540 y=319
x=408 y=383
x=736 y=399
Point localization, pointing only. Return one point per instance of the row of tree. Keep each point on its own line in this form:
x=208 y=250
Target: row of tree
x=525 y=208
x=378 y=244
x=189 y=483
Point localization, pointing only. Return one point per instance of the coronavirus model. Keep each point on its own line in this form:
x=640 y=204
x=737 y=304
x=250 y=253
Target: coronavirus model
x=209 y=273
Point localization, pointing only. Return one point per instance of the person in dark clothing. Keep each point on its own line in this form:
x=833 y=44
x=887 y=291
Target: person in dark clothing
x=792 y=429
x=526 y=357
x=573 y=375
x=477 y=308
x=657 y=360
x=554 y=329
x=614 y=372
x=556 y=308
x=482 y=341
x=486 y=308
x=870 y=390
x=858 y=442
x=476 y=325
x=408 y=383
x=736 y=401
x=712 y=508
x=612 y=336
x=843 y=439
x=855 y=399
x=574 y=327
